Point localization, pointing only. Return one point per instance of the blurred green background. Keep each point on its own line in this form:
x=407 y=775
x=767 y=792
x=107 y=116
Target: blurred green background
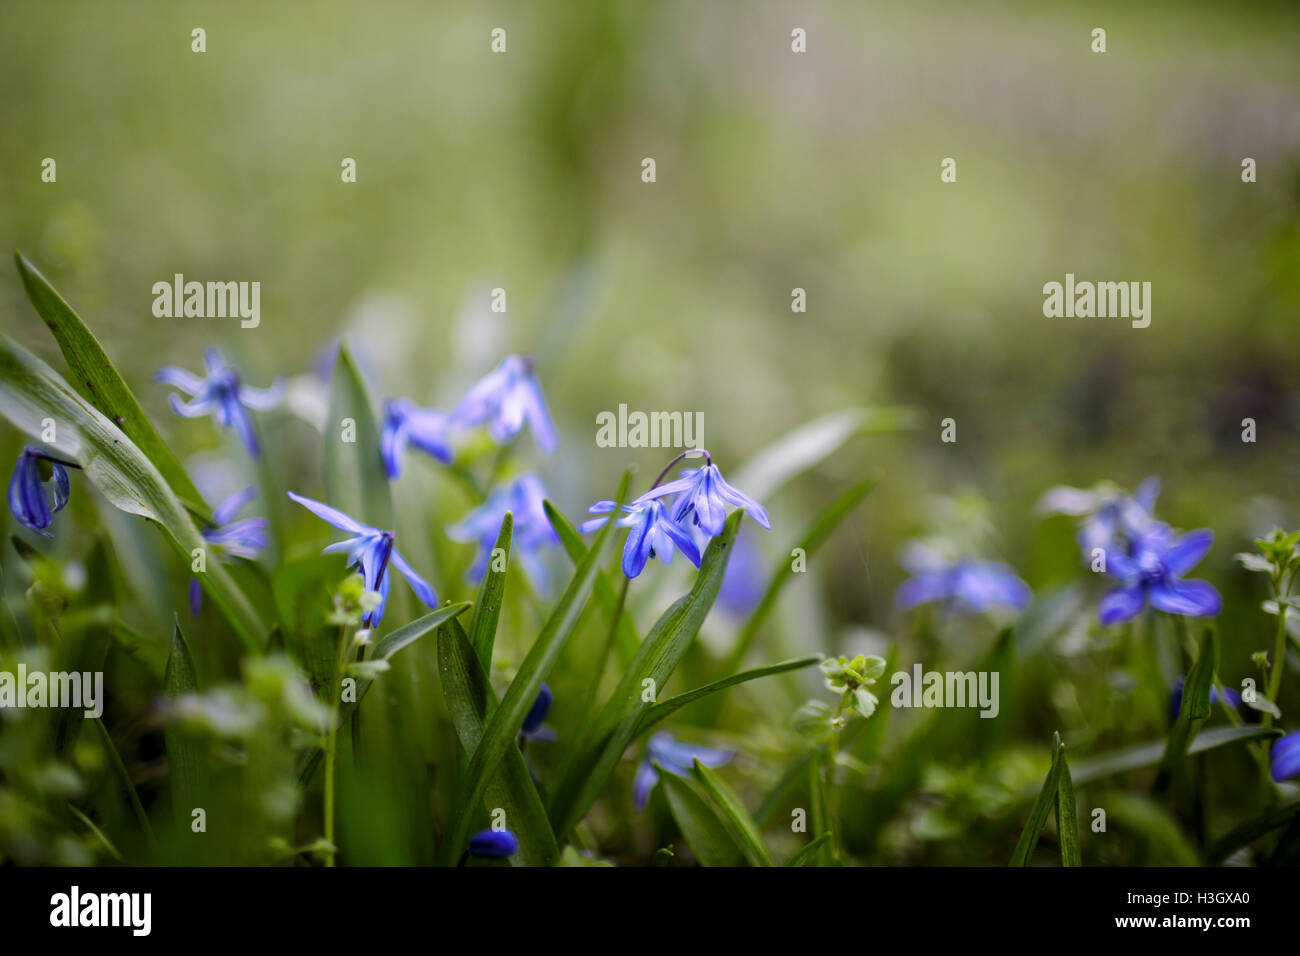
x=775 y=171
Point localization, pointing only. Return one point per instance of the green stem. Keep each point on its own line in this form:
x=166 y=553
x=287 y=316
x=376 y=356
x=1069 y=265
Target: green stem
x=832 y=793
x=331 y=745
x=1279 y=647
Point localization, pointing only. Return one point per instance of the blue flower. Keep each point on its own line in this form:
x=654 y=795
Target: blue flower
x=1226 y=694
x=537 y=713
x=673 y=756
x=373 y=551
x=236 y=539
x=703 y=494
x=406 y=423
x=965 y=586
x=220 y=394
x=497 y=844
x=1286 y=757
x=1150 y=570
x=33 y=505
x=744 y=581
x=523 y=498
x=653 y=534
x=1113 y=516
x=507 y=398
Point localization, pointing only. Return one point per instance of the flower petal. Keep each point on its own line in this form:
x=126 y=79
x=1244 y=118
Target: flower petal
x=335 y=517
x=1120 y=604
x=1192 y=598
x=417 y=583
x=1186 y=552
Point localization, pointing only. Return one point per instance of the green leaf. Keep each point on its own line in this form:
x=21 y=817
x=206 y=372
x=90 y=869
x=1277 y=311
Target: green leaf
x=705 y=833
x=1148 y=754
x=1194 y=710
x=1067 y=823
x=588 y=767
x=30 y=392
x=741 y=823
x=184 y=756
x=1042 y=806
x=470 y=699
x=813 y=442
x=819 y=808
x=355 y=480
x=666 y=708
x=812 y=539
x=407 y=634
x=505 y=721
x=491 y=591
x=124 y=776
x=1251 y=831
x=807 y=853
x=626 y=639
x=102 y=386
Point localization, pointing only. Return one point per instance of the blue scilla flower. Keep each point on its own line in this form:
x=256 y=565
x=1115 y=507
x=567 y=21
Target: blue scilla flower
x=30 y=501
x=1226 y=694
x=703 y=495
x=675 y=757
x=372 y=550
x=406 y=423
x=505 y=399
x=524 y=498
x=495 y=844
x=230 y=538
x=1285 y=757
x=536 y=715
x=1112 y=516
x=652 y=534
x=220 y=394
x=1150 y=571
x=964 y=586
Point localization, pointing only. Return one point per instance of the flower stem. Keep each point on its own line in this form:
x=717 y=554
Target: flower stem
x=669 y=467
x=331 y=744
x=1280 y=589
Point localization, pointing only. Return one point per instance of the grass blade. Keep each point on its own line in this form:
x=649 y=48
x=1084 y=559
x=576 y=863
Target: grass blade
x=741 y=823
x=1192 y=713
x=470 y=699
x=1149 y=754
x=705 y=833
x=184 y=756
x=355 y=480
x=1067 y=823
x=807 y=853
x=103 y=387
x=585 y=772
x=1038 y=815
x=1248 y=832
x=491 y=591
x=31 y=392
x=666 y=708
x=505 y=721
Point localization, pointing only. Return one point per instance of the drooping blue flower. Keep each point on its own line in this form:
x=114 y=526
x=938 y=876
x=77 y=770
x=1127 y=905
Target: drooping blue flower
x=524 y=498
x=495 y=844
x=372 y=551
x=652 y=534
x=1150 y=571
x=33 y=505
x=1285 y=757
x=1113 y=517
x=406 y=423
x=673 y=756
x=222 y=395
x=505 y=399
x=965 y=586
x=231 y=538
x=744 y=581
x=537 y=713
x=703 y=495
x=1226 y=694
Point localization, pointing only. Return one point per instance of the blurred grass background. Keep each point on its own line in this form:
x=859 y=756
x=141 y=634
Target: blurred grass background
x=775 y=171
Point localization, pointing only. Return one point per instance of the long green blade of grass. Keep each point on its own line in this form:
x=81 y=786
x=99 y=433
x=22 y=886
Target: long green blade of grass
x=733 y=811
x=708 y=837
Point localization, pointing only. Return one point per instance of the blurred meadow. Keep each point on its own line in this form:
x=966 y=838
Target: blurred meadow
x=775 y=171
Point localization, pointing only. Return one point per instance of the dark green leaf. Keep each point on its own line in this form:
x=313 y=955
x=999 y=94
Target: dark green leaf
x=807 y=853
x=470 y=698
x=666 y=708
x=184 y=756
x=1067 y=823
x=491 y=591
x=707 y=836
x=1148 y=754
x=588 y=767
x=734 y=813
x=1193 y=712
x=1042 y=806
